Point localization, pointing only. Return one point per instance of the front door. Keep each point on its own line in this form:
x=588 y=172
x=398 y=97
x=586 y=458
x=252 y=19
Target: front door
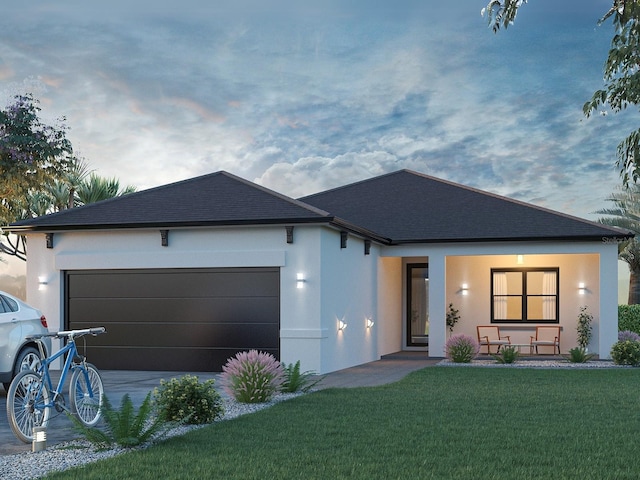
x=417 y=320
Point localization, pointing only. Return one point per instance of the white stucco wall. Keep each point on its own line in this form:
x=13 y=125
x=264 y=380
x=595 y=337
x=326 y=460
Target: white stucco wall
x=475 y=307
x=390 y=324
x=340 y=283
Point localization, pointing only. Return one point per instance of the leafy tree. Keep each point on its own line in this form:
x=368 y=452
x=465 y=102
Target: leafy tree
x=625 y=213
x=621 y=70
x=32 y=155
x=39 y=173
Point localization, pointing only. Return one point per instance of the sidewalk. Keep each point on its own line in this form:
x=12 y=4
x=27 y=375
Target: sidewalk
x=138 y=384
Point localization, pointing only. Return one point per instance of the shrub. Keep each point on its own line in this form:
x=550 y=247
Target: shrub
x=626 y=353
x=579 y=355
x=186 y=400
x=629 y=318
x=252 y=377
x=584 y=327
x=124 y=427
x=507 y=354
x=461 y=348
x=296 y=381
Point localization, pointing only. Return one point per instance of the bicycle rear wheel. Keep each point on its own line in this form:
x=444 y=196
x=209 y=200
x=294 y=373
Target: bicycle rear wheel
x=26 y=398
x=85 y=402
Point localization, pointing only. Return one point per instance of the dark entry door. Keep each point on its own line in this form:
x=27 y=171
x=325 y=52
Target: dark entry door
x=417 y=320
x=175 y=319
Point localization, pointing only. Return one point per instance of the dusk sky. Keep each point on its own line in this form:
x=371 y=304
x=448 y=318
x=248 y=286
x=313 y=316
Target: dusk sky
x=300 y=97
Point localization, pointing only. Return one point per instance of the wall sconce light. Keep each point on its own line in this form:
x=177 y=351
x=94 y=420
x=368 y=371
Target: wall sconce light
x=341 y=325
x=39 y=439
x=370 y=323
x=520 y=259
x=42 y=282
x=300 y=281
x=464 y=289
x=582 y=289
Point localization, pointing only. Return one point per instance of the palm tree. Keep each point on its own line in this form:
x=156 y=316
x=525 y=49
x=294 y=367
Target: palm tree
x=626 y=214
x=72 y=190
x=96 y=188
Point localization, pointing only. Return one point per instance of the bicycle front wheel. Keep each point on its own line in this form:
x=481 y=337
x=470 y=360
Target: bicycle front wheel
x=85 y=394
x=26 y=400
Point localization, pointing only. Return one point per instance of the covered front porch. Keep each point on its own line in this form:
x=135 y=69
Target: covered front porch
x=516 y=287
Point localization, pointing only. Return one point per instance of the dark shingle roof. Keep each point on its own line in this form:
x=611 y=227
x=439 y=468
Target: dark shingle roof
x=216 y=199
x=400 y=207
x=410 y=207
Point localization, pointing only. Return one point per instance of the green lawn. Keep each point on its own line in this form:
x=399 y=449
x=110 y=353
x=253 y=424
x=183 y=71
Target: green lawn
x=438 y=423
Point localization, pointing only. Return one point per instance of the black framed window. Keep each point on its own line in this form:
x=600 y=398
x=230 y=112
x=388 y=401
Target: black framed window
x=521 y=295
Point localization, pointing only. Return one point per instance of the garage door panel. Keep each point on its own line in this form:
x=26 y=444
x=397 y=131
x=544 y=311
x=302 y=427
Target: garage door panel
x=258 y=336
x=176 y=284
x=162 y=359
x=185 y=310
x=175 y=319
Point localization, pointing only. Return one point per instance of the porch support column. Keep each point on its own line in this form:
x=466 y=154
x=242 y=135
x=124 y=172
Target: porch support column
x=606 y=332
x=437 y=301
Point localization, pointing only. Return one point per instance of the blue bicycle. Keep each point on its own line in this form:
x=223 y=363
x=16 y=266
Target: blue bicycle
x=31 y=395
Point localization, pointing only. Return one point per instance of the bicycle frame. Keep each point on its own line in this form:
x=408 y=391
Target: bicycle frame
x=71 y=352
x=31 y=394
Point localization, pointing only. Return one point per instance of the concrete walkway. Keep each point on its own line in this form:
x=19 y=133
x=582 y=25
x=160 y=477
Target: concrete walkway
x=138 y=384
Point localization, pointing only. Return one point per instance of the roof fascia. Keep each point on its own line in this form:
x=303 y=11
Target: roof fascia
x=131 y=226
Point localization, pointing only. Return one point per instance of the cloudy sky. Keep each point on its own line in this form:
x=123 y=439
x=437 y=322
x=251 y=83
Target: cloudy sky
x=310 y=97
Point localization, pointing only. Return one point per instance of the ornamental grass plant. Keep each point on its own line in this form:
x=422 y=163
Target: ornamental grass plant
x=507 y=355
x=252 y=377
x=462 y=348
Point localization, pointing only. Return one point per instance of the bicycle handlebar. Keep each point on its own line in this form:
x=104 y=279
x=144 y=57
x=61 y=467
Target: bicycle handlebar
x=70 y=333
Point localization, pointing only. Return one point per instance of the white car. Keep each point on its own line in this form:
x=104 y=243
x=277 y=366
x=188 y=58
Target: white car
x=18 y=320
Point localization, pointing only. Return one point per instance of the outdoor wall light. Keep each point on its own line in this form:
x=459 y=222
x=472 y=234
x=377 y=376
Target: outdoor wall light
x=300 y=281
x=42 y=282
x=582 y=289
x=39 y=439
x=370 y=323
x=464 y=289
x=341 y=325
x=520 y=259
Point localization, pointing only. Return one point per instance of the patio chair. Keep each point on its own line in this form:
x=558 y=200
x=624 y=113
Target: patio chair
x=489 y=335
x=547 y=336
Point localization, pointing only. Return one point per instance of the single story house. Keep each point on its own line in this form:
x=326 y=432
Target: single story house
x=185 y=275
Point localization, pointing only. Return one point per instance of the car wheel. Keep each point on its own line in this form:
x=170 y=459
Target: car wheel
x=28 y=359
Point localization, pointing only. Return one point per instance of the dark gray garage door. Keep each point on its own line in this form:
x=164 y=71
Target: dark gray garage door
x=178 y=319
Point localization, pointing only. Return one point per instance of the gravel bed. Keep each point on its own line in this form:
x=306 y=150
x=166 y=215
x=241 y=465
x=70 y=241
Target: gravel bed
x=534 y=364
x=63 y=456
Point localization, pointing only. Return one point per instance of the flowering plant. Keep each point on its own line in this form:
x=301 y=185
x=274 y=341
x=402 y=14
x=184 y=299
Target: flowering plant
x=628 y=335
x=252 y=377
x=461 y=348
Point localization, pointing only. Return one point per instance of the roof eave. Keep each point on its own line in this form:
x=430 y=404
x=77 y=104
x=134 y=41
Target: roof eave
x=19 y=229
x=586 y=238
